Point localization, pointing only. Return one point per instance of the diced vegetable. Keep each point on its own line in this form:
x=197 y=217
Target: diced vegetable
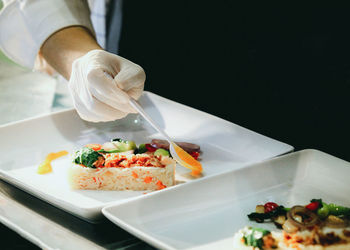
x=323 y=212
x=150 y=148
x=335 y=222
x=108 y=146
x=313 y=206
x=270 y=206
x=195 y=154
x=279 y=220
x=87 y=157
x=260 y=209
x=109 y=151
x=124 y=145
x=254 y=236
x=290 y=227
x=141 y=149
x=161 y=152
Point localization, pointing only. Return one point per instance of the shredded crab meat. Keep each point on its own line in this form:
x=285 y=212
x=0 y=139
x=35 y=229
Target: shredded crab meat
x=100 y=161
x=127 y=161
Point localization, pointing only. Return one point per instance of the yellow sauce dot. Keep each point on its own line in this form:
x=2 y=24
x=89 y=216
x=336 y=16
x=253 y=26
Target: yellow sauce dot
x=46 y=167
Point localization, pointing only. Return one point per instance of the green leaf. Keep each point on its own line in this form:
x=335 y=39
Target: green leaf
x=87 y=157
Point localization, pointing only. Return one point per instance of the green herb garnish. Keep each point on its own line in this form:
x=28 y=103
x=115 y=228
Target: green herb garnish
x=87 y=157
x=253 y=236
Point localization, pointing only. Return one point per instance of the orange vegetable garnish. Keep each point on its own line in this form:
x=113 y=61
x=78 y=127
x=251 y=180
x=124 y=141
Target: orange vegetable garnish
x=46 y=167
x=188 y=161
x=160 y=185
x=94 y=146
x=148 y=179
x=134 y=174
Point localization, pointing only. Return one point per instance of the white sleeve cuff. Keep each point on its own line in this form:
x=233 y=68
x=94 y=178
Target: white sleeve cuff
x=26 y=24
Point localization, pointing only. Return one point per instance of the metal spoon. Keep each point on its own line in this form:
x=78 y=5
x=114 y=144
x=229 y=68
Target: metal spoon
x=180 y=155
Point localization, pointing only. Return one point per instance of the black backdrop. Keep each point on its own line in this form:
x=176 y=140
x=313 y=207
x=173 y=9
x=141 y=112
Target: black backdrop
x=282 y=71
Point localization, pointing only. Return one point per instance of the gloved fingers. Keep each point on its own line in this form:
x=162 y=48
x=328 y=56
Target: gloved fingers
x=107 y=99
x=136 y=92
x=106 y=91
x=131 y=80
x=91 y=109
x=97 y=79
x=97 y=111
x=99 y=98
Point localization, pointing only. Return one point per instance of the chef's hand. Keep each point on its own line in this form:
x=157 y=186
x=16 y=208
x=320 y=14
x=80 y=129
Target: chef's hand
x=101 y=84
x=74 y=53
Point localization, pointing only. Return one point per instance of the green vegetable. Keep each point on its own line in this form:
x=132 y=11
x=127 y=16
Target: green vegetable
x=323 y=212
x=123 y=145
x=87 y=157
x=338 y=210
x=161 y=151
x=253 y=236
x=109 y=151
x=331 y=209
x=141 y=149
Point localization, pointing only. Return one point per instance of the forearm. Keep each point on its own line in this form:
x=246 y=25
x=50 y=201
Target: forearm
x=63 y=47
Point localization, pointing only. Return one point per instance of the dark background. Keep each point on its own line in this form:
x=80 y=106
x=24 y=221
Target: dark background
x=282 y=71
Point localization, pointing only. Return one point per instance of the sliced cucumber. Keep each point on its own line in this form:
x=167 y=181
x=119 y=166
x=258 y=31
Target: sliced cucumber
x=162 y=152
x=123 y=145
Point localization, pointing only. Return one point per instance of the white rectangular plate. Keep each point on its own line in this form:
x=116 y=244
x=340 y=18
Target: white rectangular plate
x=25 y=144
x=206 y=214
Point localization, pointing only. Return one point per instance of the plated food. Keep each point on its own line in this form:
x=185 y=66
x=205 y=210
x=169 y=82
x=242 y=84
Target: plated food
x=121 y=165
x=317 y=225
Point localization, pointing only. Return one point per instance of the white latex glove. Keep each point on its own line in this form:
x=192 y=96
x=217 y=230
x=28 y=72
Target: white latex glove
x=98 y=97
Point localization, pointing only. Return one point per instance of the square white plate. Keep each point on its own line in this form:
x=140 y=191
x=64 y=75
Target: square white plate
x=206 y=214
x=24 y=145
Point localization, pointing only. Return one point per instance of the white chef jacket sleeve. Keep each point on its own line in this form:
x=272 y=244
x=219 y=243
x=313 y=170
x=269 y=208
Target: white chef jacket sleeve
x=26 y=24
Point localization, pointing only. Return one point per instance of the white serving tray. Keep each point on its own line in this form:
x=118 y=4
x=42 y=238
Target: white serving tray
x=206 y=214
x=25 y=144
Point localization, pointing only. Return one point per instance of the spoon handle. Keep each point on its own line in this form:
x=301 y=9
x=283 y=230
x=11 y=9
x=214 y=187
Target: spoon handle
x=142 y=112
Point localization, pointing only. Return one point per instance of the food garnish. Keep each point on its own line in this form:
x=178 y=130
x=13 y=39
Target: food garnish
x=303 y=226
x=298 y=218
x=45 y=167
x=88 y=158
x=253 y=236
x=95 y=155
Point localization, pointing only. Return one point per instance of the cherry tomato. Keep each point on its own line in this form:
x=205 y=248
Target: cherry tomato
x=150 y=148
x=313 y=206
x=195 y=154
x=270 y=206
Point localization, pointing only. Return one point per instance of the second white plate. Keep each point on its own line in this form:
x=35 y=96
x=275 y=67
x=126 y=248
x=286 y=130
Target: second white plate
x=206 y=214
